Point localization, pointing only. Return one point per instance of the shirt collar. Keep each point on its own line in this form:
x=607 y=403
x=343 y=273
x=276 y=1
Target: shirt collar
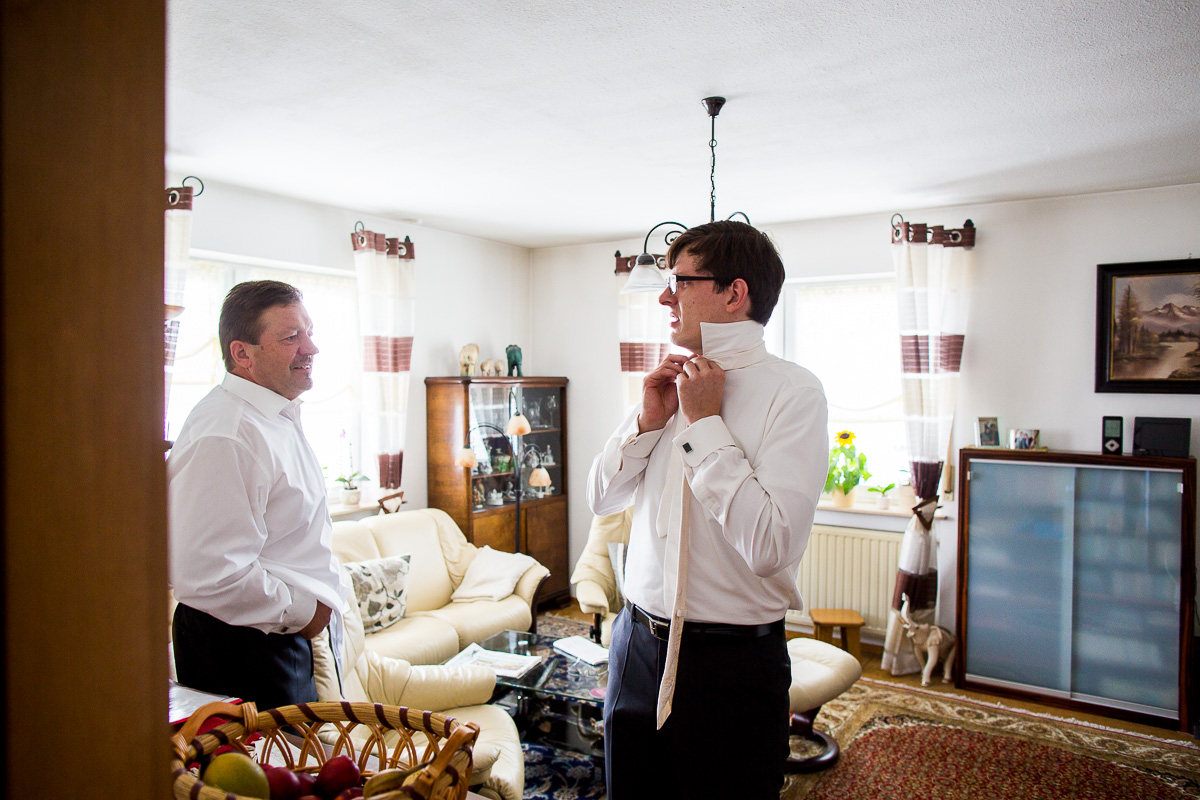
x=738 y=343
x=268 y=403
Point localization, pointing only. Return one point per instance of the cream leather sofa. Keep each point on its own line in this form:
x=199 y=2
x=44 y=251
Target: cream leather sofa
x=433 y=628
x=498 y=769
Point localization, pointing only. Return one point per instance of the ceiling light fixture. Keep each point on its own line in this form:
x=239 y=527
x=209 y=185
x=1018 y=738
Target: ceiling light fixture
x=645 y=273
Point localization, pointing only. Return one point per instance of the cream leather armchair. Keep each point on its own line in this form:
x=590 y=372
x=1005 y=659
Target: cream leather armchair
x=594 y=578
x=459 y=692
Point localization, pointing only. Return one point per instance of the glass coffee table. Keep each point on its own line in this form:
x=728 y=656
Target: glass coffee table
x=559 y=702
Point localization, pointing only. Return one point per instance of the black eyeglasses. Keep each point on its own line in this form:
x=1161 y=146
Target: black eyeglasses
x=674 y=280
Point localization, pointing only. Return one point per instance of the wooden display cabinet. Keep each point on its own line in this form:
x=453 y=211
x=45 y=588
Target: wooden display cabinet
x=1076 y=581
x=482 y=501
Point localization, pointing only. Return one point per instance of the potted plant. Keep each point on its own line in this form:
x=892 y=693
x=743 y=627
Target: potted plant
x=883 y=501
x=351 y=494
x=847 y=467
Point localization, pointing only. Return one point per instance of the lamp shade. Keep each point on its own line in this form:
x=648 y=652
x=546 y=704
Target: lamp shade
x=466 y=458
x=644 y=277
x=539 y=477
x=518 y=425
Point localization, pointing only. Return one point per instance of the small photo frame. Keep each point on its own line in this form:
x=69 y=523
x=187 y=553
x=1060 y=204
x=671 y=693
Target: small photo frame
x=1023 y=439
x=987 y=432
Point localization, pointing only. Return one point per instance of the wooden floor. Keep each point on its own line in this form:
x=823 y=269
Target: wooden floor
x=872 y=669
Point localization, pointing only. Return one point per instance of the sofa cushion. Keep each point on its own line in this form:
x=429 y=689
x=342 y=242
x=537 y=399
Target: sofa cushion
x=381 y=588
x=492 y=575
x=419 y=638
x=353 y=541
x=416 y=533
x=478 y=620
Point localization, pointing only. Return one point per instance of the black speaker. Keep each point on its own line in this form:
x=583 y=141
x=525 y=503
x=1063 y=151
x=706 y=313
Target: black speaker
x=1162 y=436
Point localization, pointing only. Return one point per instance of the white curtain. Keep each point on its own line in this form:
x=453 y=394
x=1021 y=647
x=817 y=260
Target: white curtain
x=386 y=312
x=177 y=240
x=643 y=332
x=933 y=270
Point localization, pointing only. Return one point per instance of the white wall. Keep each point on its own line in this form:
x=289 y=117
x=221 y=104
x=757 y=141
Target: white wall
x=1029 y=355
x=468 y=290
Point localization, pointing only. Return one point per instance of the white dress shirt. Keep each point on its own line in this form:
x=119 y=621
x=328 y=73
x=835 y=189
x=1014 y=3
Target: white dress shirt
x=250 y=533
x=756 y=472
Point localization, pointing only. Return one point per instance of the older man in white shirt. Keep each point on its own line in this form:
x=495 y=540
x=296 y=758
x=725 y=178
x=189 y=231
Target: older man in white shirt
x=723 y=462
x=251 y=554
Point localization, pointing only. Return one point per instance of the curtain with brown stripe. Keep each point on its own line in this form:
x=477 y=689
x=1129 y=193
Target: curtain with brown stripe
x=643 y=334
x=386 y=312
x=933 y=269
x=177 y=241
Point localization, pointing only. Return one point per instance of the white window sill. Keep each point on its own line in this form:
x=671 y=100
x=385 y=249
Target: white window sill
x=368 y=505
x=868 y=515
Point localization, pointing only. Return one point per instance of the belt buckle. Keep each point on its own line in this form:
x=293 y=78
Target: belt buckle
x=655 y=626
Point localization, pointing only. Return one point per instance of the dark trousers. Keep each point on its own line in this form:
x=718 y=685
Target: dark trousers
x=269 y=669
x=727 y=735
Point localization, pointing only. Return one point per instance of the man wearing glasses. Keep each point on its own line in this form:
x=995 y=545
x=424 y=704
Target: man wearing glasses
x=723 y=462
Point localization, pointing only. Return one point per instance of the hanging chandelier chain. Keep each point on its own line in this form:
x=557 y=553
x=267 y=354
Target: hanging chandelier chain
x=642 y=273
x=712 y=174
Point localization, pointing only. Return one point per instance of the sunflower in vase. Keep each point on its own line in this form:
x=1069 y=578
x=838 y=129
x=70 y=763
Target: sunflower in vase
x=847 y=468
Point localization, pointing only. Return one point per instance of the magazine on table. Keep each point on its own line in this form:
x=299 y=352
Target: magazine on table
x=183 y=700
x=507 y=665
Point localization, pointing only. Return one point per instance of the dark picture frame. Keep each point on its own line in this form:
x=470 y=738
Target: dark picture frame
x=1148 y=327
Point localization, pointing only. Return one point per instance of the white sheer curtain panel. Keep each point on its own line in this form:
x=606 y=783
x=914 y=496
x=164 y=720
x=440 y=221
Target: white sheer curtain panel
x=386 y=312
x=933 y=270
x=643 y=333
x=177 y=240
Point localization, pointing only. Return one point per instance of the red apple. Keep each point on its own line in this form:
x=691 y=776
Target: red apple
x=284 y=783
x=353 y=793
x=306 y=780
x=339 y=772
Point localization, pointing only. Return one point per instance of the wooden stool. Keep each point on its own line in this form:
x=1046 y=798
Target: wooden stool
x=849 y=620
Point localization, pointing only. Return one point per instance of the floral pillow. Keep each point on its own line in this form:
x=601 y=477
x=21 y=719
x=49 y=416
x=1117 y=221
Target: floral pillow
x=381 y=587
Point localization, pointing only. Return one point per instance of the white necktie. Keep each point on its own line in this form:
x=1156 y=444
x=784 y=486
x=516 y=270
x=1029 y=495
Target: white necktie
x=674 y=513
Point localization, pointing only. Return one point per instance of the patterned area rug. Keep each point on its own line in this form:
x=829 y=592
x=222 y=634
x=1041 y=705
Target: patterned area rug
x=900 y=743
x=551 y=624
x=553 y=774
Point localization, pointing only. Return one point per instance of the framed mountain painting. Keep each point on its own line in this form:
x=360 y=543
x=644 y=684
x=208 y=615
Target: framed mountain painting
x=1148 y=327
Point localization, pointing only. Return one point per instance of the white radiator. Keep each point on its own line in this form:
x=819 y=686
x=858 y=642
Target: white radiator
x=849 y=568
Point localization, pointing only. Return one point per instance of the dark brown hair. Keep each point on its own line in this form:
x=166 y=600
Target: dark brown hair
x=728 y=250
x=241 y=313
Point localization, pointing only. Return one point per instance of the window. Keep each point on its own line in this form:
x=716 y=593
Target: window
x=331 y=413
x=846 y=331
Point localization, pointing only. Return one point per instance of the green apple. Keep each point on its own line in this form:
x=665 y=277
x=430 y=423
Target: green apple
x=237 y=773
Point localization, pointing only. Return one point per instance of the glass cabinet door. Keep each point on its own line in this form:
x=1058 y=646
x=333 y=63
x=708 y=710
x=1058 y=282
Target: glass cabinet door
x=542 y=447
x=493 y=480
x=1127 y=592
x=1019 y=574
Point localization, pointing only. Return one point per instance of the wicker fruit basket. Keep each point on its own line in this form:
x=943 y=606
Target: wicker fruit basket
x=446 y=751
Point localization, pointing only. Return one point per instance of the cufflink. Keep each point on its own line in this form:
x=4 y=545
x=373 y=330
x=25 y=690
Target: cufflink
x=687 y=448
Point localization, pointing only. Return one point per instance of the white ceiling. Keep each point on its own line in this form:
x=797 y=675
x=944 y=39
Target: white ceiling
x=555 y=122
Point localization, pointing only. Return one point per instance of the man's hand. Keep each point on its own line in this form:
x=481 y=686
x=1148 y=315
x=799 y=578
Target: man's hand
x=701 y=385
x=318 y=623
x=659 y=398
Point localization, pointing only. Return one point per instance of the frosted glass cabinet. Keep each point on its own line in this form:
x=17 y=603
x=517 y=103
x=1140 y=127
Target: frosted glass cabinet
x=1077 y=580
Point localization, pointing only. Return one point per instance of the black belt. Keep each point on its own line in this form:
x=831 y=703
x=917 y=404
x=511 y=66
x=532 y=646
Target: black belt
x=660 y=627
